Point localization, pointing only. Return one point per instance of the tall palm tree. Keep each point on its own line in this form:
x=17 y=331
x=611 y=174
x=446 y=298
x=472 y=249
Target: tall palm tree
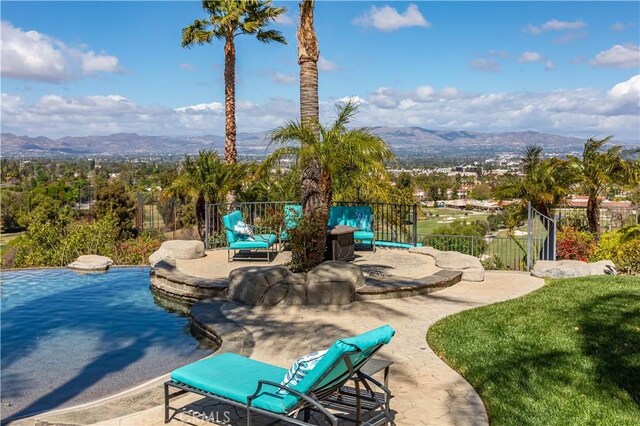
x=227 y=20
x=308 y=55
x=347 y=157
x=597 y=170
x=545 y=184
x=207 y=179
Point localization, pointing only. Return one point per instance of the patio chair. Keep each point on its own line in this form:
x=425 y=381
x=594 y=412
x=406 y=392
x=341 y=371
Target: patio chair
x=257 y=386
x=238 y=242
x=292 y=213
x=360 y=217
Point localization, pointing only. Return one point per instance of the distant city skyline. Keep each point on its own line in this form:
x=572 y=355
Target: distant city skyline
x=98 y=68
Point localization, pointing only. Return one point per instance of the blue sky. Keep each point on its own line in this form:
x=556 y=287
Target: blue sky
x=79 y=68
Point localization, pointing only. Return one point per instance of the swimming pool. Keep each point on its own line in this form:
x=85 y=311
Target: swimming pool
x=70 y=338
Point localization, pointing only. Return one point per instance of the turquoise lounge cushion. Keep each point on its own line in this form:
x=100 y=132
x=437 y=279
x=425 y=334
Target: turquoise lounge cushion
x=260 y=241
x=229 y=221
x=292 y=214
x=363 y=344
x=234 y=377
x=363 y=235
x=335 y=216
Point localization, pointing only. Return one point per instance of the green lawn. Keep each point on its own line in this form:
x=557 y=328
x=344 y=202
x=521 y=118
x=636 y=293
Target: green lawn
x=6 y=238
x=568 y=353
x=426 y=224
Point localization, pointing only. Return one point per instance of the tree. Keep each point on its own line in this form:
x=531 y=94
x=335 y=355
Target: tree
x=345 y=157
x=229 y=19
x=207 y=179
x=113 y=199
x=308 y=55
x=545 y=184
x=597 y=170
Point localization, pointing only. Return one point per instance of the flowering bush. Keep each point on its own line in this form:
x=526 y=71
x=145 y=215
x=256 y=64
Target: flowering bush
x=575 y=245
x=622 y=247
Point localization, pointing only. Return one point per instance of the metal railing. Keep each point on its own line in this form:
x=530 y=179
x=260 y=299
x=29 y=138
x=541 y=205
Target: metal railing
x=396 y=223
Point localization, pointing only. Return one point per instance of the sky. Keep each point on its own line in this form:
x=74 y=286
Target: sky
x=97 y=68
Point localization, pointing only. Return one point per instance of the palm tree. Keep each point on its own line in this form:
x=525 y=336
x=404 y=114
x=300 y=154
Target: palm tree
x=546 y=183
x=347 y=158
x=207 y=179
x=308 y=55
x=597 y=170
x=229 y=19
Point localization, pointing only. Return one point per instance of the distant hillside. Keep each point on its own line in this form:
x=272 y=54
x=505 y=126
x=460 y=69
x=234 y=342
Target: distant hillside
x=404 y=141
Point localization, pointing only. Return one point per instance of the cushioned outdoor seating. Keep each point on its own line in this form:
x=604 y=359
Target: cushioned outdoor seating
x=237 y=242
x=292 y=213
x=257 y=386
x=360 y=217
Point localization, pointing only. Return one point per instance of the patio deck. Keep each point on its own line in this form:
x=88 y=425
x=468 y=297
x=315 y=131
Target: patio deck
x=426 y=391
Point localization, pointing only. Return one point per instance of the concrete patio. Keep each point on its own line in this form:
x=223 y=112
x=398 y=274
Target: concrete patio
x=426 y=391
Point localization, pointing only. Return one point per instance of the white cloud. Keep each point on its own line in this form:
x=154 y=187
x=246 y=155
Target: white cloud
x=618 y=56
x=424 y=93
x=549 y=65
x=629 y=89
x=580 y=112
x=326 y=65
x=530 y=57
x=618 y=26
x=284 y=79
x=284 y=19
x=92 y=63
x=188 y=67
x=487 y=65
x=554 y=25
x=388 y=18
x=31 y=55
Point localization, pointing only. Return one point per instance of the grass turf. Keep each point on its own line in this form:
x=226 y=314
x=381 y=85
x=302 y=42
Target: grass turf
x=568 y=353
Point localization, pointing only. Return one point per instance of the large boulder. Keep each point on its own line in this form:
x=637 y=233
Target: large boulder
x=91 y=262
x=470 y=266
x=258 y=285
x=333 y=283
x=177 y=250
x=472 y=269
x=572 y=268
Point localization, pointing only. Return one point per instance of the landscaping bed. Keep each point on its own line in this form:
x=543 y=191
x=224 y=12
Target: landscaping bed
x=565 y=354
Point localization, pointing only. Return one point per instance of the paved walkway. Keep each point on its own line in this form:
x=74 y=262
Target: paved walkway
x=426 y=390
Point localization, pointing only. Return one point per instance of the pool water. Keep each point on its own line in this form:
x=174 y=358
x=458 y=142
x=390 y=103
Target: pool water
x=70 y=338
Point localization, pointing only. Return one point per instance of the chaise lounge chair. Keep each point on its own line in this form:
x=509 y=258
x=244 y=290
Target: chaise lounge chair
x=257 y=386
x=236 y=242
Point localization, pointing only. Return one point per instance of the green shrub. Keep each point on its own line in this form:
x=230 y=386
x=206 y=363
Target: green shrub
x=495 y=263
x=622 y=247
x=136 y=251
x=574 y=245
x=308 y=241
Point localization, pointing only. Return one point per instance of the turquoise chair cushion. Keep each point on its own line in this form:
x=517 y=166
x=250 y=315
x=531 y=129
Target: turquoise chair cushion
x=292 y=214
x=234 y=377
x=335 y=216
x=261 y=241
x=363 y=236
x=364 y=344
x=229 y=221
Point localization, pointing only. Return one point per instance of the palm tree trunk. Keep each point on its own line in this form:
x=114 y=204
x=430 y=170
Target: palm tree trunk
x=230 y=151
x=308 y=55
x=593 y=216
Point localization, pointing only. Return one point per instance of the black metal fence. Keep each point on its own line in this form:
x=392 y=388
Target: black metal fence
x=166 y=216
x=394 y=223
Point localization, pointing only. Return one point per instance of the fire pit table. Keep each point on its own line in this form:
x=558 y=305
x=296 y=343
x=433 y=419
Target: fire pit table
x=340 y=244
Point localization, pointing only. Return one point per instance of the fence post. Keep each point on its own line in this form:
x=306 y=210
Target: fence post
x=207 y=221
x=139 y=212
x=415 y=225
x=529 y=231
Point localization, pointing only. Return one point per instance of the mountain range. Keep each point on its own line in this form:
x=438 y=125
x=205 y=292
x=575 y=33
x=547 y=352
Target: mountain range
x=404 y=141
